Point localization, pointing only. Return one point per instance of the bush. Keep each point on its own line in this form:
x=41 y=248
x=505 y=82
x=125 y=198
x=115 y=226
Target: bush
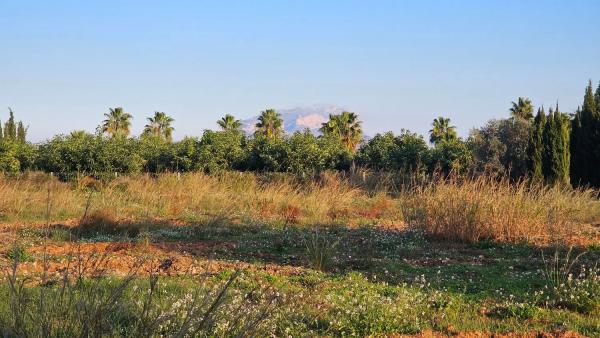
x=89 y=154
x=513 y=309
x=185 y=154
x=266 y=154
x=19 y=253
x=9 y=162
x=158 y=154
x=105 y=222
x=302 y=154
x=406 y=152
x=452 y=156
x=501 y=146
x=579 y=293
x=220 y=150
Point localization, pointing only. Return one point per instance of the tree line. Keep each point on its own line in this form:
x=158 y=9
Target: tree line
x=553 y=147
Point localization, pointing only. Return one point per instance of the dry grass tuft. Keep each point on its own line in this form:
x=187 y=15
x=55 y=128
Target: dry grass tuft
x=105 y=222
x=485 y=208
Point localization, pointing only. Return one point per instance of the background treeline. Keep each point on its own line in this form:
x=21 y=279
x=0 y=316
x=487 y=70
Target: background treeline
x=545 y=145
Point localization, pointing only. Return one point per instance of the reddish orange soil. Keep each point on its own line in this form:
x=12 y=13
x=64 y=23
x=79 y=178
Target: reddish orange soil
x=165 y=258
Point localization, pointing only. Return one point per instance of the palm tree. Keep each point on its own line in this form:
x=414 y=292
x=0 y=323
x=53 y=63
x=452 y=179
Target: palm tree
x=269 y=124
x=442 y=131
x=522 y=109
x=160 y=126
x=229 y=123
x=344 y=126
x=117 y=122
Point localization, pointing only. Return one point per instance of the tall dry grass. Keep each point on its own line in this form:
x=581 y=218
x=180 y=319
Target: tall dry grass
x=497 y=209
x=453 y=208
x=194 y=197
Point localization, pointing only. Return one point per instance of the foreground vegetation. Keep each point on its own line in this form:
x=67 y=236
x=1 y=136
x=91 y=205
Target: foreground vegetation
x=239 y=254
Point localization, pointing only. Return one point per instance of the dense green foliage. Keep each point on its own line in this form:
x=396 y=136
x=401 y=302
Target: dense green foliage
x=89 y=154
x=585 y=140
x=557 y=148
x=406 y=152
x=15 y=153
x=548 y=151
x=501 y=146
x=535 y=147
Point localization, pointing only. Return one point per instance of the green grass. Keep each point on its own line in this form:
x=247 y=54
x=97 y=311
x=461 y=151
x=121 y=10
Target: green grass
x=383 y=281
x=355 y=305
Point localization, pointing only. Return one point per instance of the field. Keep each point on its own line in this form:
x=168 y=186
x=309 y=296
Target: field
x=240 y=254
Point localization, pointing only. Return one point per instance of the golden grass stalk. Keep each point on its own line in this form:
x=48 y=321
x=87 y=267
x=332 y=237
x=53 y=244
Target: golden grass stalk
x=487 y=208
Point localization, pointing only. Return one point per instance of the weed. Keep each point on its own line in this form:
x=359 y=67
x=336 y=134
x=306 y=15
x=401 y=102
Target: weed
x=513 y=309
x=19 y=253
x=321 y=250
x=558 y=270
x=104 y=222
x=580 y=293
x=60 y=235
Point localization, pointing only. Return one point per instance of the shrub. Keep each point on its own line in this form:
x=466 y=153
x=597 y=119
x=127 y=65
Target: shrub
x=104 y=222
x=501 y=146
x=513 y=309
x=452 y=156
x=95 y=155
x=186 y=152
x=18 y=253
x=579 y=292
x=220 y=150
x=158 y=154
x=9 y=162
x=406 y=152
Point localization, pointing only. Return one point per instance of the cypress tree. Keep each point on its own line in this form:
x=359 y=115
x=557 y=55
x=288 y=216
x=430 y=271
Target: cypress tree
x=575 y=146
x=1 y=135
x=10 y=128
x=562 y=151
x=586 y=142
x=597 y=98
x=21 y=132
x=535 y=148
x=591 y=134
x=550 y=157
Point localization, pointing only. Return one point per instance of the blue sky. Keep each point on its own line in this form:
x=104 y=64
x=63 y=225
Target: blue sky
x=398 y=64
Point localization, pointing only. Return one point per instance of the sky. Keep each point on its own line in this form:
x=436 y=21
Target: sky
x=398 y=64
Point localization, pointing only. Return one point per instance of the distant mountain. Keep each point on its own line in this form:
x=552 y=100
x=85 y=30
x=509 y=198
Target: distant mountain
x=299 y=118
